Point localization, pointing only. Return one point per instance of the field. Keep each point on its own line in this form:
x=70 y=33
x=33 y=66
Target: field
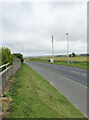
x=74 y=59
x=34 y=97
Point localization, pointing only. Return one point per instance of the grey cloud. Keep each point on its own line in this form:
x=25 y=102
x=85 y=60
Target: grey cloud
x=28 y=27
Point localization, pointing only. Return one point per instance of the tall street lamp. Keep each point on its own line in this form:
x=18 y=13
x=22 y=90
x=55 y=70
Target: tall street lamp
x=52 y=48
x=52 y=60
x=67 y=46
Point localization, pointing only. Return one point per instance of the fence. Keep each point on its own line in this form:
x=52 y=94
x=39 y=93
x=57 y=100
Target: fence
x=3 y=67
x=5 y=75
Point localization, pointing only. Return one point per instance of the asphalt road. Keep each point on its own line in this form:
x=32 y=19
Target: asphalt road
x=71 y=82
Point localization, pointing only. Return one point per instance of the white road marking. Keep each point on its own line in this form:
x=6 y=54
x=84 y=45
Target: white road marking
x=74 y=81
x=51 y=82
x=84 y=74
x=78 y=73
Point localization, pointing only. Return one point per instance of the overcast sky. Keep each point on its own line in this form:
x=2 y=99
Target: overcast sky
x=28 y=27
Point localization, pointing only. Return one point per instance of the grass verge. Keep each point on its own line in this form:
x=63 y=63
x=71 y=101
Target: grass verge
x=74 y=64
x=34 y=97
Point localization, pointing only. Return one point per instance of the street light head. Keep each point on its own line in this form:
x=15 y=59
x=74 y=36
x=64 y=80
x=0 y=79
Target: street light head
x=66 y=33
x=52 y=38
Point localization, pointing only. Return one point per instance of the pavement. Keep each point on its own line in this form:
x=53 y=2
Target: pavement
x=70 y=81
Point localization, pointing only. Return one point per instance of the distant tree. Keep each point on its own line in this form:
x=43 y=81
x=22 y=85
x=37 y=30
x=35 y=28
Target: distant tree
x=70 y=55
x=19 y=56
x=6 y=56
x=73 y=54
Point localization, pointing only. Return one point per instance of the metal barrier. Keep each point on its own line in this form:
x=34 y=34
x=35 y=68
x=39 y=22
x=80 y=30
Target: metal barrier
x=4 y=65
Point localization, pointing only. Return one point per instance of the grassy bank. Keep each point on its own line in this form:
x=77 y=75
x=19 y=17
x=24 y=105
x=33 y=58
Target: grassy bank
x=74 y=64
x=34 y=97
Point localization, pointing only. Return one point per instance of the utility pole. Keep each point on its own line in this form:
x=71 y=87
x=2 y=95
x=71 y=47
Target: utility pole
x=52 y=48
x=67 y=46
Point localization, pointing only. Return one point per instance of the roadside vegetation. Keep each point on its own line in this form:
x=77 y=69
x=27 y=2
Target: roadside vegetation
x=34 y=97
x=78 y=61
x=5 y=56
x=19 y=56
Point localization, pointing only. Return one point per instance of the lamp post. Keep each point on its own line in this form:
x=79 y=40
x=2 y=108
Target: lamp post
x=52 y=48
x=67 y=46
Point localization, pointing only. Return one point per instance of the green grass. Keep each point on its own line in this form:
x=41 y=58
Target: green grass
x=34 y=97
x=74 y=64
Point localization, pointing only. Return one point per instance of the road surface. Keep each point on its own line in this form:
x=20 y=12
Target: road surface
x=71 y=82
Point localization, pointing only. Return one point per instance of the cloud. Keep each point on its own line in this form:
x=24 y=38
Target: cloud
x=28 y=27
